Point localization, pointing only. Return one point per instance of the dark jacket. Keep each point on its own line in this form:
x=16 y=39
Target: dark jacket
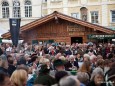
x=11 y=69
x=45 y=79
x=69 y=65
x=93 y=84
x=4 y=70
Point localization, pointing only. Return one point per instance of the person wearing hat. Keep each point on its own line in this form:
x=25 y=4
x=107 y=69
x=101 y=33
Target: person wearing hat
x=58 y=65
x=44 y=78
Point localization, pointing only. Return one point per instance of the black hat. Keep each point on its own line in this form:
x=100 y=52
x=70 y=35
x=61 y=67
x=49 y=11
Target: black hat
x=58 y=62
x=44 y=69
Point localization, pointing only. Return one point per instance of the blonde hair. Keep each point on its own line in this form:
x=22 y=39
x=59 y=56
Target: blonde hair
x=44 y=60
x=19 y=77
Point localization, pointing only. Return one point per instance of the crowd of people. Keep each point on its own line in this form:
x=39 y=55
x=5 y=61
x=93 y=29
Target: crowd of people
x=53 y=64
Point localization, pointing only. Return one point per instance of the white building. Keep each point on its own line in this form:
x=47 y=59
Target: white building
x=101 y=12
x=27 y=10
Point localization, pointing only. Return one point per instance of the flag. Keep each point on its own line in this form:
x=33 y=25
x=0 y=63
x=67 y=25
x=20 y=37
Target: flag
x=14 y=30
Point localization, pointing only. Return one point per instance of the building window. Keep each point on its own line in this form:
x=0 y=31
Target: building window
x=5 y=9
x=16 y=9
x=113 y=15
x=75 y=15
x=28 y=8
x=94 y=17
x=84 y=11
x=55 y=0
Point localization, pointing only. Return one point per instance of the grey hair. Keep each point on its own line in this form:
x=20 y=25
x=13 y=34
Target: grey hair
x=83 y=77
x=86 y=56
x=96 y=71
x=69 y=81
x=3 y=61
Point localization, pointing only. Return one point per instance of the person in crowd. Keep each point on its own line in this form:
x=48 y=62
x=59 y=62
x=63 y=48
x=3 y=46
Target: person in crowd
x=1 y=51
x=83 y=77
x=69 y=81
x=67 y=50
x=100 y=64
x=11 y=67
x=44 y=78
x=52 y=51
x=78 y=57
x=106 y=65
x=80 y=50
x=58 y=65
x=60 y=74
x=4 y=79
x=71 y=64
x=86 y=67
x=99 y=57
x=97 y=78
x=93 y=60
x=19 y=78
x=86 y=57
x=34 y=63
x=110 y=75
x=8 y=49
x=3 y=64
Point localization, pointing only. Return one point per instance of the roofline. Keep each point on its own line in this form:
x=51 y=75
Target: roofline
x=62 y=16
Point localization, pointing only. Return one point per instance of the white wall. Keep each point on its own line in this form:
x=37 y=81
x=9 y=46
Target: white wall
x=36 y=13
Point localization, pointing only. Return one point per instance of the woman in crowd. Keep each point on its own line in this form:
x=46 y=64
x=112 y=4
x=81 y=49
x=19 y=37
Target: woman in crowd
x=44 y=78
x=3 y=64
x=86 y=67
x=19 y=78
x=4 y=79
x=97 y=78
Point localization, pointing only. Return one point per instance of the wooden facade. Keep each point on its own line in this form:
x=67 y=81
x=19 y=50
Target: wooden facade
x=60 y=28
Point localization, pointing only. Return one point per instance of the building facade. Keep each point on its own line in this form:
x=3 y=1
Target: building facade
x=100 y=12
x=27 y=10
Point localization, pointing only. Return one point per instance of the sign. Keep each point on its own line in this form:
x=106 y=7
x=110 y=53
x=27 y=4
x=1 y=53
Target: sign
x=100 y=36
x=75 y=28
x=14 y=30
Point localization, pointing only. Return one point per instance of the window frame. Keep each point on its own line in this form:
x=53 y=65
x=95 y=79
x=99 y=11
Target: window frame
x=77 y=15
x=111 y=17
x=16 y=9
x=5 y=10
x=28 y=9
x=95 y=17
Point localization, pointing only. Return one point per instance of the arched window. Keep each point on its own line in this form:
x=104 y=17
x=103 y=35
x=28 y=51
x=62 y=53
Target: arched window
x=28 y=8
x=16 y=9
x=84 y=13
x=5 y=9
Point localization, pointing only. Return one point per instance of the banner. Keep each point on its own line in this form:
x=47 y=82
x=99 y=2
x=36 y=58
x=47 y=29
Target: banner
x=101 y=36
x=14 y=30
